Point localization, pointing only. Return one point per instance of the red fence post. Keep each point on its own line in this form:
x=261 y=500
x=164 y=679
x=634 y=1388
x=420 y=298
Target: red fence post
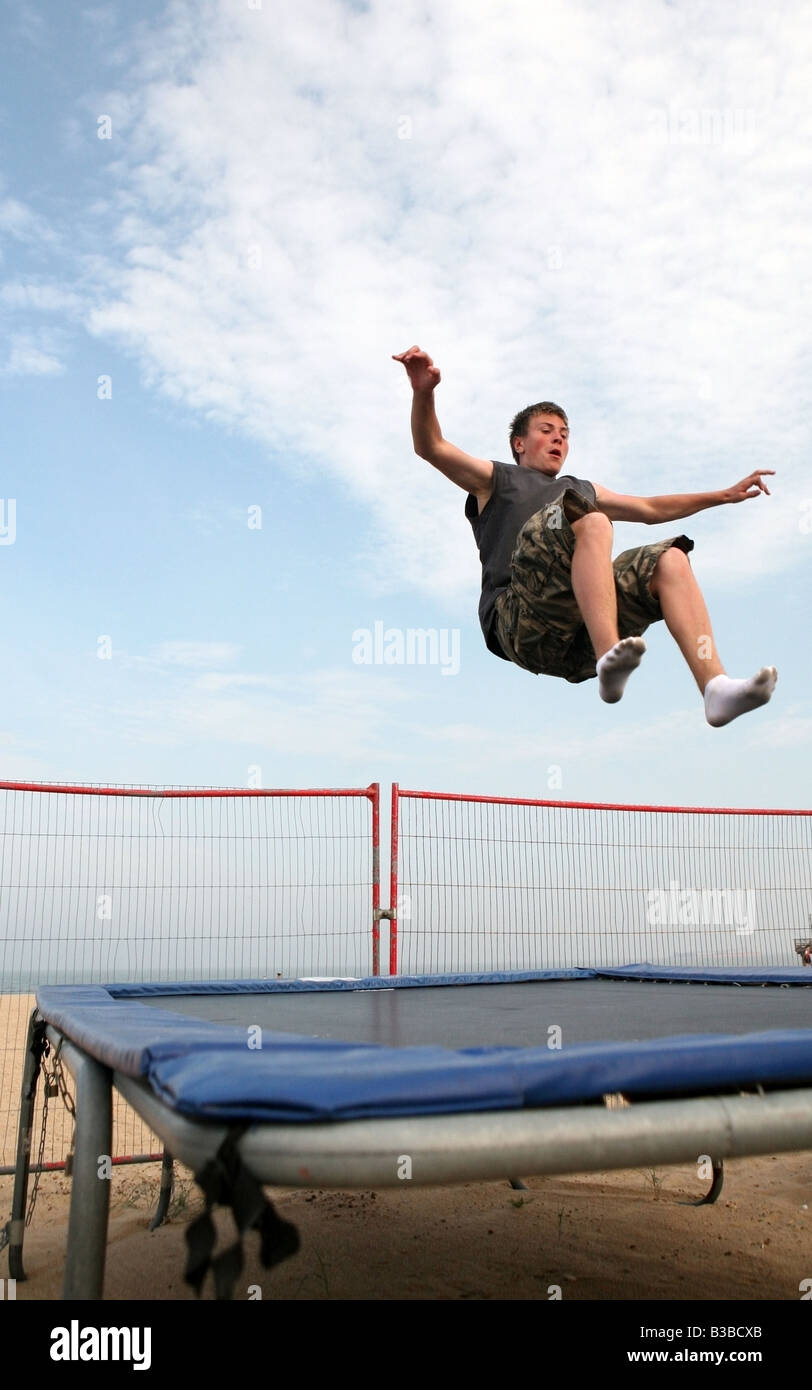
x=393 y=886
x=374 y=793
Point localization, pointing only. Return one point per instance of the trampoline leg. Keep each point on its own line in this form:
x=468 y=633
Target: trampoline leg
x=28 y=1094
x=518 y=1185
x=165 y=1194
x=715 y=1190
x=90 y=1194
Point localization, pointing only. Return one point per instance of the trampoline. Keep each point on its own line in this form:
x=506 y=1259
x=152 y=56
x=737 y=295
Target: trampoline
x=332 y=1083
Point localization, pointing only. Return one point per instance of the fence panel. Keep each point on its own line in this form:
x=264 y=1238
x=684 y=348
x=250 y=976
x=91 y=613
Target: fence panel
x=114 y=884
x=496 y=883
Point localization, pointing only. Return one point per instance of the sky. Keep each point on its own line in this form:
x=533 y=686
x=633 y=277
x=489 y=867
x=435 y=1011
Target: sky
x=220 y=218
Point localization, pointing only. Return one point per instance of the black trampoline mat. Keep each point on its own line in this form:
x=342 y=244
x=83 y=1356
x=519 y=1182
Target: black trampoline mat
x=507 y=1015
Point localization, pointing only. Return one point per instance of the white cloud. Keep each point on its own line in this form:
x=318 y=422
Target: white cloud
x=792 y=730
x=27 y=359
x=31 y=24
x=194 y=654
x=326 y=714
x=552 y=201
x=22 y=222
x=40 y=296
x=505 y=747
x=209 y=517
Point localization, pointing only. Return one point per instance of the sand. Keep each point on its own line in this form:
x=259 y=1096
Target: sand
x=603 y=1236
x=618 y=1236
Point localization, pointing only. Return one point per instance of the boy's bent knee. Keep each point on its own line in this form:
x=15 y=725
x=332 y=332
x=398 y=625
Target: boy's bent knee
x=672 y=561
x=674 y=555
x=594 y=523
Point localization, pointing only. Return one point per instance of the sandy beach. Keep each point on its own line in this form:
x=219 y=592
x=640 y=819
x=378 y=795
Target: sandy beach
x=601 y=1236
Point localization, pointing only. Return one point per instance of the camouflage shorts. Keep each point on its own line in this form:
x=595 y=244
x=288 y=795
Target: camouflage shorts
x=538 y=623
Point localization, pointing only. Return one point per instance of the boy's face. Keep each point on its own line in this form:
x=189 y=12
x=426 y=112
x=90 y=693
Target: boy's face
x=546 y=445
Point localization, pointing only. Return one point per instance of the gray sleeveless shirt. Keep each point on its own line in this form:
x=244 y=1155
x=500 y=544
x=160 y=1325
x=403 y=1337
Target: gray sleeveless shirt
x=517 y=493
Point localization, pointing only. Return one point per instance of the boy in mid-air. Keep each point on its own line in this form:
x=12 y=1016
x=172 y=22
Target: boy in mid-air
x=553 y=601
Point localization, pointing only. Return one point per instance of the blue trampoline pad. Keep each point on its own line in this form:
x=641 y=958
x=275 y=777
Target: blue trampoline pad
x=316 y=1050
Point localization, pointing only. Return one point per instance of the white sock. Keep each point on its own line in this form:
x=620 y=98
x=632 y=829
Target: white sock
x=726 y=698
x=616 y=665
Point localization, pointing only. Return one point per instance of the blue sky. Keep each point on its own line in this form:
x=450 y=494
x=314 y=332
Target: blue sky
x=606 y=207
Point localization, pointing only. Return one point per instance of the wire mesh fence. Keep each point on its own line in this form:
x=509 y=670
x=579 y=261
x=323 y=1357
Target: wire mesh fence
x=116 y=884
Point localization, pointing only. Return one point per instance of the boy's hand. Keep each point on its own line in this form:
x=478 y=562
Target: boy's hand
x=749 y=487
x=422 y=372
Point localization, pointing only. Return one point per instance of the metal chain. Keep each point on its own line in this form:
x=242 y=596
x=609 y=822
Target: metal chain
x=32 y=1201
x=67 y=1099
x=53 y=1083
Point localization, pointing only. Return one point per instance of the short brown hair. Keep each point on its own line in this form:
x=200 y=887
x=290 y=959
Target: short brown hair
x=521 y=422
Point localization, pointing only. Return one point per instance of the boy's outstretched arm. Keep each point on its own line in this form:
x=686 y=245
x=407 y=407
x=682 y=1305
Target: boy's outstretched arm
x=653 y=510
x=473 y=474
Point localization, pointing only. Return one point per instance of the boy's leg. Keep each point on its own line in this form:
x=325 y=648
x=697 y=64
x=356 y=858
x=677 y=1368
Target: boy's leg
x=593 y=584
x=687 y=619
x=593 y=579
x=686 y=615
